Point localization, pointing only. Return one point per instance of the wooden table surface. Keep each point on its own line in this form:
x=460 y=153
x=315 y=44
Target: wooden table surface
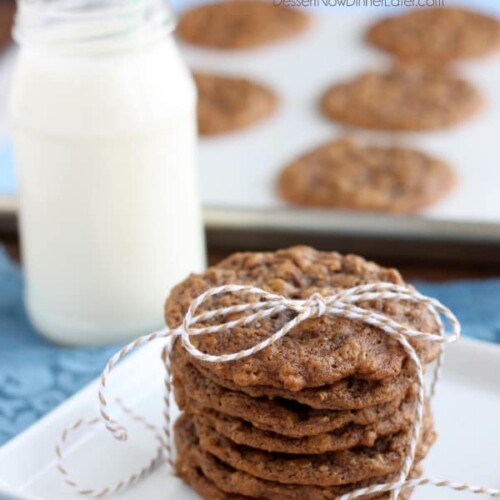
x=410 y=268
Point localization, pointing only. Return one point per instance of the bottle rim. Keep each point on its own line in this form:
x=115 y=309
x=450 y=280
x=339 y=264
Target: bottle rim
x=88 y=24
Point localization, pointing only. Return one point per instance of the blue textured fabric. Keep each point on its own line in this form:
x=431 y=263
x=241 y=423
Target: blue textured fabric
x=36 y=375
x=476 y=304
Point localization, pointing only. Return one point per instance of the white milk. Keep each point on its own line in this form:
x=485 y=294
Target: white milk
x=105 y=147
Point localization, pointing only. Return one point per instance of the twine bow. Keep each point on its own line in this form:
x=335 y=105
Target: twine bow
x=344 y=304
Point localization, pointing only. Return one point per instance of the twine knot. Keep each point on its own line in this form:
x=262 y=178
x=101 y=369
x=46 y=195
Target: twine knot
x=344 y=304
x=317 y=305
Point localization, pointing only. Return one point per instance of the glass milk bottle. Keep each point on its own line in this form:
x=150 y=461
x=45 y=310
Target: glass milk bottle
x=103 y=117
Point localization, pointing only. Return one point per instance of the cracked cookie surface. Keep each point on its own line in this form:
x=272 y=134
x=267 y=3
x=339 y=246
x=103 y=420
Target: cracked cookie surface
x=226 y=104
x=240 y=24
x=404 y=99
x=437 y=35
x=347 y=175
x=318 y=351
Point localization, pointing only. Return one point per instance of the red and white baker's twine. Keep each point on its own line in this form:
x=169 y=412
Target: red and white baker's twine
x=342 y=304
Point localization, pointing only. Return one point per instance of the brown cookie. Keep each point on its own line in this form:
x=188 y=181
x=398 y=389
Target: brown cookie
x=198 y=394
x=328 y=469
x=407 y=98
x=226 y=104
x=230 y=480
x=190 y=472
x=347 y=175
x=350 y=393
x=233 y=481
x=319 y=351
x=351 y=436
x=240 y=24
x=7 y=12
x=436 y=35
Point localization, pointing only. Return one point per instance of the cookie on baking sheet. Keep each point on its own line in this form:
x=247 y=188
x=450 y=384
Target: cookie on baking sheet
x=226 y=104
x=7 y=12
x=348 y=175
x=351 y=436
x=234 y=482
x=317 y=352
x=404 y=99
x=197 y=394
x=436 y=34
x=240 y=24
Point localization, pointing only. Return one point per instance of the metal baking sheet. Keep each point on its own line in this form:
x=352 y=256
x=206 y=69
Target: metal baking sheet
x=238 y=171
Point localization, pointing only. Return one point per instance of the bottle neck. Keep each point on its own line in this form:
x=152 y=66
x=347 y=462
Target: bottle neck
x=91 y=25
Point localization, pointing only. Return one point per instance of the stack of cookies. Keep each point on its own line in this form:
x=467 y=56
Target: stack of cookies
x=324 y=411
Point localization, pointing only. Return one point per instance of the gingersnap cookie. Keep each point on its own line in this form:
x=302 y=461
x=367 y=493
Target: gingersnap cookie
x=7 y=12
x=328 y=469
x=197 y=394
x=209 y=469
x=240 y=24
x=317 y=352
x=347 y=175
x=226 y=104
x=350 y=393
x=232 y=481
x=404 y=99
x=244 y=433
x=436 y=35
x=190 y=472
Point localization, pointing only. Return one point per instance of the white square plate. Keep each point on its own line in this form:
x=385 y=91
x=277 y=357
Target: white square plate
x=467 y=411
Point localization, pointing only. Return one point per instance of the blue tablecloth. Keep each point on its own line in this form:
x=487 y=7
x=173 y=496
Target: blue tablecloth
x=36 y=375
